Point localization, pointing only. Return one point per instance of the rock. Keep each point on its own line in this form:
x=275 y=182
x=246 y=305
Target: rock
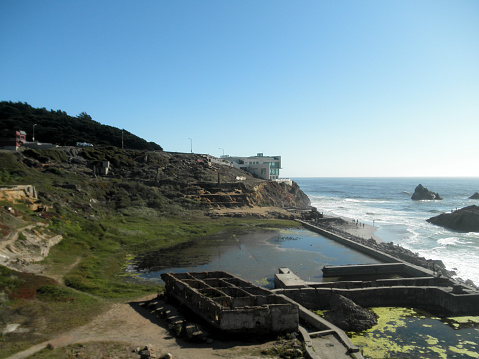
x=421 y=193
x=465 y=219
x=348 y=315
x=475 y=196
x=168 y=356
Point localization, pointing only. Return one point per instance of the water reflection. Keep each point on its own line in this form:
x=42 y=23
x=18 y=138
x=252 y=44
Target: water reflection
x=254 y=256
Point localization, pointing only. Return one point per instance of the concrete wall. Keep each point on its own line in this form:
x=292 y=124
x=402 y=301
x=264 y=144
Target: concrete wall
x=430 y=298
x=404 y=269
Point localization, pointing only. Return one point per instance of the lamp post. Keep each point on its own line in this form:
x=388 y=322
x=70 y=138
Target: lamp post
x=33 y=135
x=191 y=145
x=223 y=151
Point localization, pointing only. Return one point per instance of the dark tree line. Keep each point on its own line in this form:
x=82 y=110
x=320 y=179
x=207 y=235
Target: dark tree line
x=59 y=128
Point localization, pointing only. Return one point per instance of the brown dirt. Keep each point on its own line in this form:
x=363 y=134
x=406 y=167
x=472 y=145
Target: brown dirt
x=129 y=326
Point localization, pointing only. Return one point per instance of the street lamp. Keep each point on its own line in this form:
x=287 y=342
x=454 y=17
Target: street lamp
x=33 y=136
x=191 y=145
x=223 y=151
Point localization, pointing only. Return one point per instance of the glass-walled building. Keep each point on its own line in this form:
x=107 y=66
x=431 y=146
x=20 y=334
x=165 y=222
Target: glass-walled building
x=266 y=167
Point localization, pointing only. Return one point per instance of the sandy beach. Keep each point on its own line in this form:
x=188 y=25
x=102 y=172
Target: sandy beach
x=351 y=226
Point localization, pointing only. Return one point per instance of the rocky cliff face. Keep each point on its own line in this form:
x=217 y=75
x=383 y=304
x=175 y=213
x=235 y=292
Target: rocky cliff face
x=421 y=193
x=465 y=219
x=279 y=195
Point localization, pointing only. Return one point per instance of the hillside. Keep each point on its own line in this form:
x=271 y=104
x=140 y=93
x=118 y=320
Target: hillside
x=59 y=128
x=54 y=202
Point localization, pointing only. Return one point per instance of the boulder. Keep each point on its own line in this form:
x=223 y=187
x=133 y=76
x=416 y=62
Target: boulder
x=349 y=316
x=475 y=196
x=422 y=193
x=465 y=219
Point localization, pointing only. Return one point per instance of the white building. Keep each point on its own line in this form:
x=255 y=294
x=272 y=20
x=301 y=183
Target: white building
x=266 y=167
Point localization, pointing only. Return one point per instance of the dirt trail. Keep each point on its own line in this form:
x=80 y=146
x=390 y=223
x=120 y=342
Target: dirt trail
x=129 y=323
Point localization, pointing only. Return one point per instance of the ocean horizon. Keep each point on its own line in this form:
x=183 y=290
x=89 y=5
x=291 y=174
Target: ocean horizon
x=385 y=203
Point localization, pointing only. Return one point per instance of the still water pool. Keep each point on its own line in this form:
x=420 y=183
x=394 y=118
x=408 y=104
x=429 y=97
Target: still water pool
x=254 y=257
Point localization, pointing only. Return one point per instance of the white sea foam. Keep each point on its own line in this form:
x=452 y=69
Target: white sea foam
x=449 y=241
x=387 y=202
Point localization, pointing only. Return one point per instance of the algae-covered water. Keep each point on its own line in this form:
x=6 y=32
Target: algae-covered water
x=408 y=333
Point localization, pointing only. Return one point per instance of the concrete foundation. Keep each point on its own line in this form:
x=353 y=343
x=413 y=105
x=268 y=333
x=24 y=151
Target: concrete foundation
x=231 y=304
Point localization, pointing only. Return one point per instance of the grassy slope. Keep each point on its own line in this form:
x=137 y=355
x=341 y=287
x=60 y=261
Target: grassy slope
x=100 y=237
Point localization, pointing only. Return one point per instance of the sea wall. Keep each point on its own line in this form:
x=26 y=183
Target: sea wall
x=383 y=257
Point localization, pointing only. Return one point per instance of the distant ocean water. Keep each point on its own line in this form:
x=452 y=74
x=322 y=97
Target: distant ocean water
x=386 y=203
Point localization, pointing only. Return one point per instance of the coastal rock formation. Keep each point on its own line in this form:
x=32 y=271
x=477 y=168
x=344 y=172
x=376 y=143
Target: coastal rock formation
x=349 y=316
x=465 y=219
x=422 y=193
x=475 y=196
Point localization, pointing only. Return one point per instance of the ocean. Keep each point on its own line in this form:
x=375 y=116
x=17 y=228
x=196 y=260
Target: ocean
x=386 y=203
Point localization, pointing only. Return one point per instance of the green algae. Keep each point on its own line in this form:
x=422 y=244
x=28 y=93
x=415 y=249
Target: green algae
x=431 y=340
x=465 y=320
x=464 y=352
x=377 y=341
x=409 y=333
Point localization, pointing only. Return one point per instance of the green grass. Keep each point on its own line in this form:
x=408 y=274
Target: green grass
x=103 y=248
x=43 y=306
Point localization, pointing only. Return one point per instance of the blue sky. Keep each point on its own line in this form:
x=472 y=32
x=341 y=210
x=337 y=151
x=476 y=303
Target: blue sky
x=337 y=88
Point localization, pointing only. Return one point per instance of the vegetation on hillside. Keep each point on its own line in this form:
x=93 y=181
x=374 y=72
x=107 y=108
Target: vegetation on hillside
x=58 y=127
x=148 y=201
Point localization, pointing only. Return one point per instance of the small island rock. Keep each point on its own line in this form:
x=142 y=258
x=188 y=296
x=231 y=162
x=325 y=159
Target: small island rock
x=422 y=193
x=475 y=196
x=465 y=219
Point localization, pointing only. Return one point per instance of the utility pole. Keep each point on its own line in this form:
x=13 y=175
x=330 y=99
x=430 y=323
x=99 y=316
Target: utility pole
x=121 y=139
x=223 y=151
x=191 y=145
x=33 y=136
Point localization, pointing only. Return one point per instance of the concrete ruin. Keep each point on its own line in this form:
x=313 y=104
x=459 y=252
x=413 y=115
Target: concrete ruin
x=231 y=304
x=435 y=294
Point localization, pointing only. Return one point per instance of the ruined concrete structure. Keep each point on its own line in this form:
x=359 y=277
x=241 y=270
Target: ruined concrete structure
x=231 y=304
x=18 y=192
x=436 y=294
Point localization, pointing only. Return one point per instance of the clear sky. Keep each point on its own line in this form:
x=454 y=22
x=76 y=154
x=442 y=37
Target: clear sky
x=337 y=88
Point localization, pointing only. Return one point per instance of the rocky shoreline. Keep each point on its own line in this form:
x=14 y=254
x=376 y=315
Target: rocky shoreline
x=343 y=227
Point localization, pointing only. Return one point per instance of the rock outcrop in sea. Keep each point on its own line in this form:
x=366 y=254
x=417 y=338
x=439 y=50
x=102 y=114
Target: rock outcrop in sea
x=421 y=193
x=465 y=219
x=475 y=196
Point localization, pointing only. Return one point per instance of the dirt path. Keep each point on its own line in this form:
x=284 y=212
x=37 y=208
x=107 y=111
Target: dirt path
x=131 y=324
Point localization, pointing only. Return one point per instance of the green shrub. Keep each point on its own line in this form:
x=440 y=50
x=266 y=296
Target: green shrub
x=55 y=293
x=55 y=171
x=78 y=282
